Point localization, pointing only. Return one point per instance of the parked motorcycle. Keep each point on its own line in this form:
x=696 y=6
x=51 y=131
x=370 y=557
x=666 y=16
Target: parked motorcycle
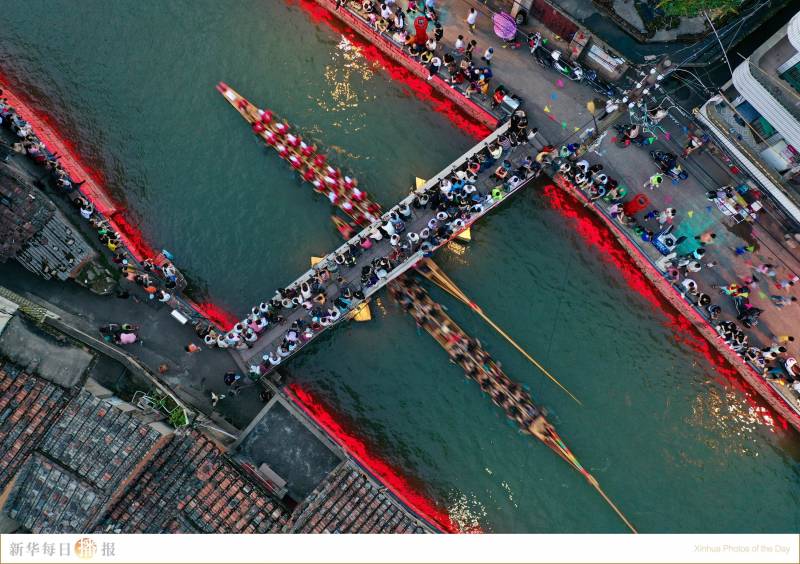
x=747 y=313
x=598 y=85
x=114 y=328
x=668 y=163
x=534 y=41
x=571 y=71
x=542 y=55
x=633 y=134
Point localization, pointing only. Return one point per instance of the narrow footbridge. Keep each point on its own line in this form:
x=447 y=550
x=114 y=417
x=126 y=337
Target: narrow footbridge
x=341 y=282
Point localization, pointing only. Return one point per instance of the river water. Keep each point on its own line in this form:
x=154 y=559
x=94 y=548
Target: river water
x=674 y=442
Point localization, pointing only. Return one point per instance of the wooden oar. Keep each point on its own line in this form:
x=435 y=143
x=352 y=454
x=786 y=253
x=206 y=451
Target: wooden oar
x=435 y=274
x=557 y=445
x=546 y=435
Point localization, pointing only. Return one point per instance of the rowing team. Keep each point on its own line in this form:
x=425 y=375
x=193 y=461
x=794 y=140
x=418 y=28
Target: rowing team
x=470 y=355
x=341 y=190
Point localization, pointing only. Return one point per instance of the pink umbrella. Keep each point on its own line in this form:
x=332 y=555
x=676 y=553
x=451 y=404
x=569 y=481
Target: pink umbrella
x=504 y=26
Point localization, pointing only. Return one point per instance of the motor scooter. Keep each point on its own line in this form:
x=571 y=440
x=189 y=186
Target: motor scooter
x=534 y=41
x=571 y=71
x=747 y=313
x=668 y=163
x=602 y=88
x=632 y=134
x=542 y=55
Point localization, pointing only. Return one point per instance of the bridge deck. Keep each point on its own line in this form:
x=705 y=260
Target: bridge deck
x=272 y=337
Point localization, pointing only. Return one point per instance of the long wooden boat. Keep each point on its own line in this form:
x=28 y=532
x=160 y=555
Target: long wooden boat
x=447 y=333
x=341 y=190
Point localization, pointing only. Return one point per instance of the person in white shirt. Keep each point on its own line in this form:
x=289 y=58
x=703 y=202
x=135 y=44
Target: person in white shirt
x=472 y=17
x=611 y=107
x=459 y=46
x=689 y=286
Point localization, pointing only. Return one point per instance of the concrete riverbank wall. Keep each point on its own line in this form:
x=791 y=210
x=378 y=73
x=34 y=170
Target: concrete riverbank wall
x=665 y=289
x=676 y=300
x=94 y=189
x=394 y=52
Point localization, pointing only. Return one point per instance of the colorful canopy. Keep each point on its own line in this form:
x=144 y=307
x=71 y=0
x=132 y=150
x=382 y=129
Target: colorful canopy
x=504 y=26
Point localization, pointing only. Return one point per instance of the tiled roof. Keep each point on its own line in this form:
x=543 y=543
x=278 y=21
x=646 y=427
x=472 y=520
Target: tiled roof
x=31 y=229
x=28 y=406
x=71 y=459
x=98 y=442
x=47 y=498
x=230 y=503
x=83 y=458
x=349 y=502
x=22 y=215
x=165 y=486
x=191 y=487
x=180 y=525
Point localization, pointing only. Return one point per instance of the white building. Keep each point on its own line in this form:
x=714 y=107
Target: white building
x=757 y=116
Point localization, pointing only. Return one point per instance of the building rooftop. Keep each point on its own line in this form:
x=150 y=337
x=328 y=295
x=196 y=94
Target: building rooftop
x=28 y=407
x=98 y=441
x=23 y=213
x=48 y=498
x=289 y=448
x=349 y=502
x=230 y=503
x=86 y=454
x=191 y=487
x=35 y=232
x=27 y=346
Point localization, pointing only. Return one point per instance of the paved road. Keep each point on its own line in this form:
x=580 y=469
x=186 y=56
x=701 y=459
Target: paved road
x=193 y=376
x=557 y=106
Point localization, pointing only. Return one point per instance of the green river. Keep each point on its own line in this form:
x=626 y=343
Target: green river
x=677 y=446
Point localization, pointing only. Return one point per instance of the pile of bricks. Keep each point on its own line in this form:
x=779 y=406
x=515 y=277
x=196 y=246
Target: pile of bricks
x=349 y=502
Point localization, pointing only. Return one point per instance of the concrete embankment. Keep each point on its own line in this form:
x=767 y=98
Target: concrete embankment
x=676 y=300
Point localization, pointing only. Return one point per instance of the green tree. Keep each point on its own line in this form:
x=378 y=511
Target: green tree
x=697 y=7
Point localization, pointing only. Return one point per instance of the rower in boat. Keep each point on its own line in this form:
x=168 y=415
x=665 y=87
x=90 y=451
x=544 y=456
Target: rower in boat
x=292 y=148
